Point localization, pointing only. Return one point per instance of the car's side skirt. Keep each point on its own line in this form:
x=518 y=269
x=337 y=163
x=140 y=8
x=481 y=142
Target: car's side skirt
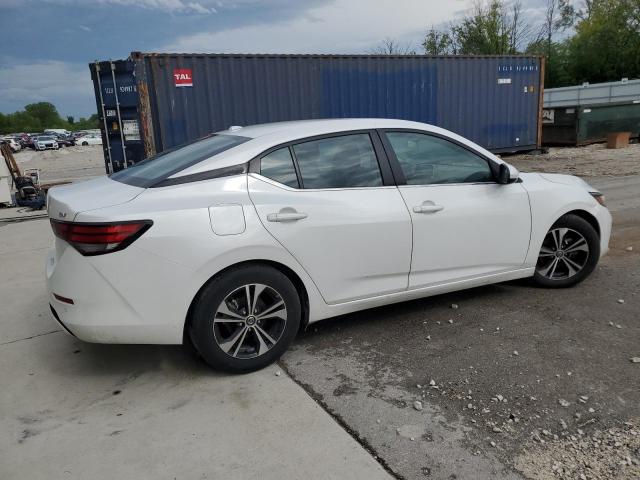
x=362 y=304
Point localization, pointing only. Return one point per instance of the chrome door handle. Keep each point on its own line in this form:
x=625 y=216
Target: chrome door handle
x=427 y=208
x=286 y=217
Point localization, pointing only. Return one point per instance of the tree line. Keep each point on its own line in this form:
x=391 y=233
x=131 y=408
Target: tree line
x=595 y=41
x=38 y=116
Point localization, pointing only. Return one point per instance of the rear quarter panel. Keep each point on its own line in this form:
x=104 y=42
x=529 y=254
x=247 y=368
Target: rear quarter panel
x=162 y=271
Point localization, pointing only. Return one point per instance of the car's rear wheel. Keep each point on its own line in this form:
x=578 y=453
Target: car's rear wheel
x=246 y=318
x=569 y=253
x=85 y=144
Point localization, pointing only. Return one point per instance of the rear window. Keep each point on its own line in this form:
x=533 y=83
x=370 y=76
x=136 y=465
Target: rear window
x=160 y=167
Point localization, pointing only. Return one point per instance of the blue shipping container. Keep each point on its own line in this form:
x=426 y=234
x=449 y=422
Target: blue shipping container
x=495 y=101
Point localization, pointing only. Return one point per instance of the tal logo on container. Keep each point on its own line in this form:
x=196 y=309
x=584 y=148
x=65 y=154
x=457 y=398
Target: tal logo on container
x=183 y=77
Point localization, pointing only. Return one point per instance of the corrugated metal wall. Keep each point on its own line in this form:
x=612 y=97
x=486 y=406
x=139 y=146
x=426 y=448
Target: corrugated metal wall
x=624 y=91
x=494 y=101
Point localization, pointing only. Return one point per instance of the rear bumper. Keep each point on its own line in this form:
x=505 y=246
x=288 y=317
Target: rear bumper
x=106 y=311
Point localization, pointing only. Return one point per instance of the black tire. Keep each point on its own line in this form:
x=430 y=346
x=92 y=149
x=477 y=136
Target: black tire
x=85 y=144
x=202 y=327
x=584 y=228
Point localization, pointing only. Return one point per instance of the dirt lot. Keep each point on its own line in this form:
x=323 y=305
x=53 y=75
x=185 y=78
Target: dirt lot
x=515 y=381
x=64 y=164
x=590 y=161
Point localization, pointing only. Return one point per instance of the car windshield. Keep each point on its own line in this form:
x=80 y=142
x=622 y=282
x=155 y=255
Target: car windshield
x=160 y=167
x=45 y=138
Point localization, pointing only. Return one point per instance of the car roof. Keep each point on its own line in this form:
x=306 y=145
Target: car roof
x=307 y=128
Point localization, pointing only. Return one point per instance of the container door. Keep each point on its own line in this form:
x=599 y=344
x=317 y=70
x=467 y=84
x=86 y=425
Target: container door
x=332 y=212
x=117 y=101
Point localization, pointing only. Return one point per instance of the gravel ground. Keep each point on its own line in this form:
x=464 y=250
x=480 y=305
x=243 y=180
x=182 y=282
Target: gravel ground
x=65 y=164
x=498 y=371
x=589 y=161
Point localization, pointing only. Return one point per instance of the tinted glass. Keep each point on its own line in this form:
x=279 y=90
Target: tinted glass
x=160 y=167
x=338 y=162
x=278 y=166
x=426 y=160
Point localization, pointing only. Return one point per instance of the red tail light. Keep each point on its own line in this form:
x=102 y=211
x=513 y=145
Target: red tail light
x=100 y=238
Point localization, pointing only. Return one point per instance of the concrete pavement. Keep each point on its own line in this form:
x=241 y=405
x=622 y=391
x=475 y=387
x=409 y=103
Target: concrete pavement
x=71 y=410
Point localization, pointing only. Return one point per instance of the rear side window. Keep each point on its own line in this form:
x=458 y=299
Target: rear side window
x=338 y=162
x=160 y=167
x=426 y=159
x=278 y=166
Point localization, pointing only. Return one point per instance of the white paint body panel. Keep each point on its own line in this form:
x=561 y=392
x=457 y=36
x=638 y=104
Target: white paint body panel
x=353 y=250
x=354 y=242
x=482 y=229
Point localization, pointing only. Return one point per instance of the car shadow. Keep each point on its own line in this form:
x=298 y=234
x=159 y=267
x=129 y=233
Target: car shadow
x=422 y=308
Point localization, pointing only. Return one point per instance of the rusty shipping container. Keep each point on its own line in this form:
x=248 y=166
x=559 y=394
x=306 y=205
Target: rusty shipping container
x=151 y=101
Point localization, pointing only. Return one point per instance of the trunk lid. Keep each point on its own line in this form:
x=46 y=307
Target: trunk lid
x=66 y=202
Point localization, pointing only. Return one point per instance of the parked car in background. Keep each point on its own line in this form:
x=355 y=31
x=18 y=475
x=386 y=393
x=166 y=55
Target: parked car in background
x=13 y=143
x=21 y=138
x=78 y=134
x=45 y=142
x=236 y=241
x=91 y=139
x=30 y=142
x=65 y=140
x=57 y=131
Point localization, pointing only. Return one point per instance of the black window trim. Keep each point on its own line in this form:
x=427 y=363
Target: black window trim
x=229 y=171
x=397 y=168
x=384 y=165
x=170 y=180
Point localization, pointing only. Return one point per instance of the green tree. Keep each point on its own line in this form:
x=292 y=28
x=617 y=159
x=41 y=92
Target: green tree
x=46 y=114
x=492 y=27
x=438 y=43
x=87 y=123
x=38 y=116
x=557 y=63
x=606 y=45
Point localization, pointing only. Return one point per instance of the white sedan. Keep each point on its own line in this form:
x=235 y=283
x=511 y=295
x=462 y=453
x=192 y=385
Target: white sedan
x=236 y=241
x=45 y=142
x=91 y=139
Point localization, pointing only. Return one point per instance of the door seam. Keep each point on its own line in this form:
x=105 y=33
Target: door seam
x=280 y=243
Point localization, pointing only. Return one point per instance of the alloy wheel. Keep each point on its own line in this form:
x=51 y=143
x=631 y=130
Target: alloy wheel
x=564 y=254
x=249 y=321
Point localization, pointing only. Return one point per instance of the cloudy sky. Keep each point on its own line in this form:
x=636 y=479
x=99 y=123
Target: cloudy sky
x=47 y=44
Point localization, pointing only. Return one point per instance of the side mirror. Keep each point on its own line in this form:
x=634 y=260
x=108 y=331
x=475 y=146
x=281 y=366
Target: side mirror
x=507 y=174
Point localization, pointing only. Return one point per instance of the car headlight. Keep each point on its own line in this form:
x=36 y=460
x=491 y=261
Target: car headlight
x=599 y=198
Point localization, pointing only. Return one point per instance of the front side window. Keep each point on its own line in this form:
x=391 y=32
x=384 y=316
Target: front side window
x=160 y=167
x=278 y=166
x=346 y=161
x=426 y=159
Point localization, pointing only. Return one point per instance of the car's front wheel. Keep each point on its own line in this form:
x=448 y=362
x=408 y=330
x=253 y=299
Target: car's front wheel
x=569 y=253
x=246 y=318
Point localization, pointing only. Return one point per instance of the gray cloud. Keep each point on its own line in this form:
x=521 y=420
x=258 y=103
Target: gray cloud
x=66 y=85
